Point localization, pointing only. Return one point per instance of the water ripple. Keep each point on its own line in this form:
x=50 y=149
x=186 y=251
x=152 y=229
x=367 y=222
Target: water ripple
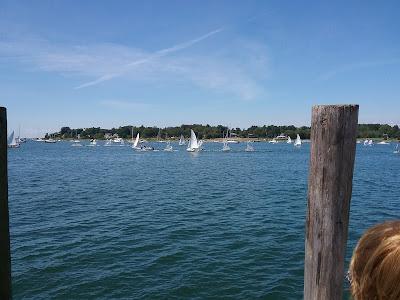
x=110 y=223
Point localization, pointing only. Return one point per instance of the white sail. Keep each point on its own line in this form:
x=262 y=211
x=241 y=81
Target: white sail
x=297 y=141
x=136 y=143
x=168 y=148
x=181 y=140
x=193 y=140
x=159 y=135
x=396 y=150
x=12 y=142
x=249 y=147
x=10 y=138
x=289 y=140
x=194 y=145
x=225 y=147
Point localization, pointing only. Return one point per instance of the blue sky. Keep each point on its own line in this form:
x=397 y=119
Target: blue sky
x=237 y=63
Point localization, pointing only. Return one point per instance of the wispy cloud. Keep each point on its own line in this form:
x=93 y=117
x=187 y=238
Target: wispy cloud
x=89 y=60
x=220 y=75
x=157 y=54
x=236 y=69
x=355 y=66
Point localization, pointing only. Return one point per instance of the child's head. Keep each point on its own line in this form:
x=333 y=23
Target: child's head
x=375 y=265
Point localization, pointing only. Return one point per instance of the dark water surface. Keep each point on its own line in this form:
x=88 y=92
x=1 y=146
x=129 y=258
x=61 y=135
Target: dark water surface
x=111 y=223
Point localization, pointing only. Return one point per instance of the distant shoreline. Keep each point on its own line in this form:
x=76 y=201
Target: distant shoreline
x=207 y=132
x=220 y=140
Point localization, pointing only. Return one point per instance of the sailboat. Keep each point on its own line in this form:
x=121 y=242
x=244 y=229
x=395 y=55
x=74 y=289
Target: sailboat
x=19 y=140
x=289 y=140
x=396 y=150
x=159 y=140
x=297 y=142
x=118 y=141
x=194 y=145
x=50 y=140
x=136 y=143
x=168 y=147
x=132 y=140
x=249 y=147
x=11 y=142
x=77 y=141
x=93 y=143
x=136 y=146
x=182 y=141
x=226 y=147
x=229 y=139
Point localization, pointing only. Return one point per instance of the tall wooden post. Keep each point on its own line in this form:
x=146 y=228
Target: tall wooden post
x=333 y=144
x=5 y=258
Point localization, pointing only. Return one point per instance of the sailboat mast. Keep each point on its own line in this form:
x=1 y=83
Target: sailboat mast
x=159 y=134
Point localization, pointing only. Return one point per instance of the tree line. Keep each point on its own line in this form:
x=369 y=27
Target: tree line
x=212 y=132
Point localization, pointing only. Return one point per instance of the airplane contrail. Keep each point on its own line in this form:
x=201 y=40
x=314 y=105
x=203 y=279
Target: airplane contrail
x=157 y=54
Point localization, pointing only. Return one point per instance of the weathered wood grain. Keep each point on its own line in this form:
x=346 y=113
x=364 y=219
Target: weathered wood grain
x=5 y=258
x=333 y=145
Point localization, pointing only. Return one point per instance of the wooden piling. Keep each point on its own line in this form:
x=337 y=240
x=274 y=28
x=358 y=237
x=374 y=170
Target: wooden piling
x=333 y=144
x=5 y=258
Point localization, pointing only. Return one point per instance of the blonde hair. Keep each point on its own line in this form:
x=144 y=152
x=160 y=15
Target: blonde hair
x=375 y=265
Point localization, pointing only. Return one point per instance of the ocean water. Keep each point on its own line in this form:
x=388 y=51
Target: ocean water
x=111 y=223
